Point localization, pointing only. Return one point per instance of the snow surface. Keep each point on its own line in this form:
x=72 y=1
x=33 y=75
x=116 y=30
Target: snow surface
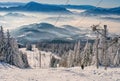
x=34 y=57
x=45 y=73
x=10 y=73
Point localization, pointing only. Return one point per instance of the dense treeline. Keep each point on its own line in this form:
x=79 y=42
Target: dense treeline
x=59 y=47
x=9 y=51
x=103 y=52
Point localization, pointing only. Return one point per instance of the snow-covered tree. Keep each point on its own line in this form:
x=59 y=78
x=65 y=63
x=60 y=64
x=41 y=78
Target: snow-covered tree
x=77 y=57
x=2 y=44
x=9 y=51
x=63 y=61
x=116 y=60
x=70 y=58
x=87 y=55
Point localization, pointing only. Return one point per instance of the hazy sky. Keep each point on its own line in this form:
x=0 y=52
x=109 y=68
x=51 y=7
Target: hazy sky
x=105 y=3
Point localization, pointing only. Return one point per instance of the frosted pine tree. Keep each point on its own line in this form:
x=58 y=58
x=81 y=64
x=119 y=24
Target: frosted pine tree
x=19 y=59
x=9 y=51
x=75 y=50
x=63 y=62
x=116 y=60
x=78 y=54
x=70 y=58
x=2 y=44
x=87 y=55
x=76 y=57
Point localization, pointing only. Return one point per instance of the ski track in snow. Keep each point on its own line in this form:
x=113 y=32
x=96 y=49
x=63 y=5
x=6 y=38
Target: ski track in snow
x=34 y=57
x=59 y=74
x=35 y=73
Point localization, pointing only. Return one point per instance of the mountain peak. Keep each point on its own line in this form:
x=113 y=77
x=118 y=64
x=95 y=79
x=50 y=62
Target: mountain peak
x=35 y=6
x=32 y=3
x=47 y=24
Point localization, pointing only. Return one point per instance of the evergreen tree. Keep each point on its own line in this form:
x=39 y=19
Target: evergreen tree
x=9 y=51
x=70 y=59
x=117 y=58
x=87 y=55
x=2 y=44
x=76 y=56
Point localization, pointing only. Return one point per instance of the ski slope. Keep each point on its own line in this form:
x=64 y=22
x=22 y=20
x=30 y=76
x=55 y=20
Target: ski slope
x=38 y=59
x=45 y=73
x=11 y=73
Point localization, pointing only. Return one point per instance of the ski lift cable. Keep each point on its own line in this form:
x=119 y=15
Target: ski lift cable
x=89 y=9
x=60 y=14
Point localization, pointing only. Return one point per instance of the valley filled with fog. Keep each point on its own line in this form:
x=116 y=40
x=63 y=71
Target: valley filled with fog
x=13 y=20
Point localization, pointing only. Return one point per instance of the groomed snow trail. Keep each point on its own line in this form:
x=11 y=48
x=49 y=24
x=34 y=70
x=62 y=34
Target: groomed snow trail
x=35 y=56
x=10 y=73
x=45 y=73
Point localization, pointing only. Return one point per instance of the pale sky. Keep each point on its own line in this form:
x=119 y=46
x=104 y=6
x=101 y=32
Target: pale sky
x=105 y=3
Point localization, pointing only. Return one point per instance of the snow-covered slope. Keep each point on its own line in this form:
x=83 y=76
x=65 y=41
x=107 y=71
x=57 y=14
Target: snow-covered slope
x=6 y=66
x=60 y=74
x=45 y=73
x=38 y=59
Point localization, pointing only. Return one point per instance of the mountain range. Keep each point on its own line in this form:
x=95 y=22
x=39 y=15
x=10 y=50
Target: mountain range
x=8 y=4
x=39 y=7
x=15 y=14
x=103 y=11
x=94 y=10
x=80 y=7
x=36 y=7
x=44 y=31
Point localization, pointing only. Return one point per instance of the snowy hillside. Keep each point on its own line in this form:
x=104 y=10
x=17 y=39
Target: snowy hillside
x=6 y=66
x=45 y=73
x=38 y=59
x=45 y=31
x=59 y=74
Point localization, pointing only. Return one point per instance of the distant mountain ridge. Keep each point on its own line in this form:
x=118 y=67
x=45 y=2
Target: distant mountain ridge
x=106 y=11
x=83 y=7
x=45 y=31
x=94 y=10
x=36 y=7
x=39 y=7
x=8 y=4
x=15 y=14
